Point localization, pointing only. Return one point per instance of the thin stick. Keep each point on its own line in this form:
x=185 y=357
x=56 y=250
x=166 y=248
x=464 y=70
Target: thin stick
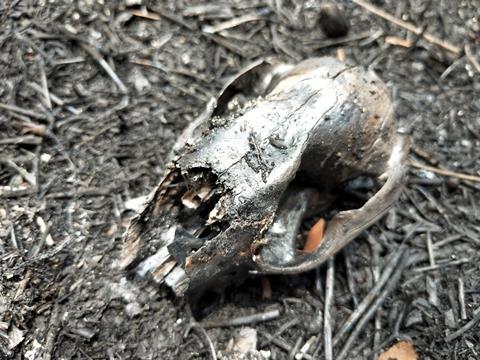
x=448 y=240
x=442 y=265
x=431 y=256
x=449 y=173
x=466 y=327
x=461 y=298
x=376 y=277
x=327 y=324
x=22 y=111
x=204 y=333
x=350 y=278
x=22 y=285
x=282 y=344
x=372 y=310
x=54 y=98
x=295 y=349
x=243 y=320
x=367 y=300
x=43 y=78
x=410 y=27
x=304 y=349
x=105 y=65
x=53 y=328
x=232 y=23
x=471 y=58
x=95 y=54
x=280 y=331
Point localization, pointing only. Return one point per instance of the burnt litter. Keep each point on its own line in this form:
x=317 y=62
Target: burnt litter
x=93 y=96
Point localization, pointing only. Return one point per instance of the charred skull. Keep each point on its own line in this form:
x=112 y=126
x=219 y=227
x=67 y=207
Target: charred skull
x=276 y=141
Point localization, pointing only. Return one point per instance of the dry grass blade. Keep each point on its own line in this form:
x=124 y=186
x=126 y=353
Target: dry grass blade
x=408 y=26
x=444 y=172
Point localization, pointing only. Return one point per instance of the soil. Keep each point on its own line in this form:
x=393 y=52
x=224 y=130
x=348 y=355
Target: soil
x=77 y=142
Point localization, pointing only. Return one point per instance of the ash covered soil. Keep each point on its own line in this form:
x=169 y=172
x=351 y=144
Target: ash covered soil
x=77 y=143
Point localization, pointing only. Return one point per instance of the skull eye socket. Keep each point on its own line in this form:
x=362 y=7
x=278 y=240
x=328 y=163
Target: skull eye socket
x=301 y=206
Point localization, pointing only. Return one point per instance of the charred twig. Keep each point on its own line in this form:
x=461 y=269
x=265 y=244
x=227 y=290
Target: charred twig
x=19 y=110
x=282 y=344
x=43 y=79
x=323 y=44
x=226 y=44
x=232 y=23
x=350 y=278
x=304 y=349
x=410 y=27
x=13 y=239
x=105 y=65
x=374 y=293
x=197 y=327
x=372 y=310
x=54 y=98
x=174 y=18
x=466 y=327
x=471 y=58
x=243 y=320
x=295 y=348
x=447 y=240
x=442 y=265
x=289 y=324
x=376 y=276
x=53 y=328
x=13 y=192
x=22 y=285
x=95 y=54
x=279 y=46
x=91 y=191
x=431 y=255
x=47 y=254
x=27 y=140
x=30 y=178
x=461 y=298
x=449 y=173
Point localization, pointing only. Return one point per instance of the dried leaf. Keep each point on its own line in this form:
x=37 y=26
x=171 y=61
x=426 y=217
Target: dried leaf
x=402 y=350
x=315 y=236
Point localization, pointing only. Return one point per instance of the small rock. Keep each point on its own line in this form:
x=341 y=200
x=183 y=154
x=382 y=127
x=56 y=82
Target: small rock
x=15 y=337
x=140 y=82
x=35 y=350
x=414 y=318
x=245 y=341
x=244 y=346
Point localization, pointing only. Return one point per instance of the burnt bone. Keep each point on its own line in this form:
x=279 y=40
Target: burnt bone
x=183 y=244
x=236 y=172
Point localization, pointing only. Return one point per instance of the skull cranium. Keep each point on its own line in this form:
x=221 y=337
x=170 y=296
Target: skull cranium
x=243 y=174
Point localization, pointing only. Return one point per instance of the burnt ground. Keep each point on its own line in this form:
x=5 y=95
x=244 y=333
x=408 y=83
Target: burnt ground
x=69 y=164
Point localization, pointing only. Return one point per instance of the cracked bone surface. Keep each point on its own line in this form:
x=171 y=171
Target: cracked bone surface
x=242 y=176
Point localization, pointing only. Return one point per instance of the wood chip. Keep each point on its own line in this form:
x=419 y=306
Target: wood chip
x=402 y=350
x=398 y=41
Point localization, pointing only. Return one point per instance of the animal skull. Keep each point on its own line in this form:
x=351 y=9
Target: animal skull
x=275 y=142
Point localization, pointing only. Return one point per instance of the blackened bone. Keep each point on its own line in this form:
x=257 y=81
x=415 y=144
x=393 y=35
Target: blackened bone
x=323 y=119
